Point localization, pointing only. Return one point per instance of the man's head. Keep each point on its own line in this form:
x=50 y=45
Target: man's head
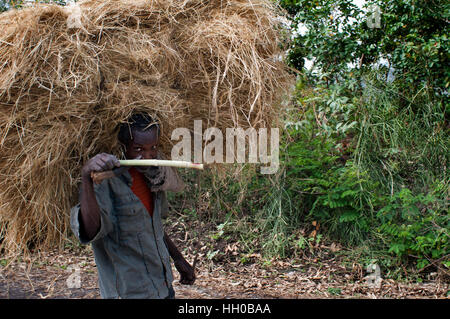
x=140 y=136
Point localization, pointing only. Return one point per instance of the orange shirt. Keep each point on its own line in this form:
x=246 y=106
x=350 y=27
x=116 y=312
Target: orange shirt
x=141 y=190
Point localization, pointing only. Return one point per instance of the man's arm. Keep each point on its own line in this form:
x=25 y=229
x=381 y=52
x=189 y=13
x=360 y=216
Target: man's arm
x=89 y=208
x=187 y=273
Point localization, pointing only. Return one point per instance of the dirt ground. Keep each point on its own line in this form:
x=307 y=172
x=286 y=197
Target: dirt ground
x=223 y=271
x=51 y=275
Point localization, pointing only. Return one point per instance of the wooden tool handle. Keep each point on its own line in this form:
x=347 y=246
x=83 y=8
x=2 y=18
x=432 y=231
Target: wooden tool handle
x=156 y=162
x=98 y=177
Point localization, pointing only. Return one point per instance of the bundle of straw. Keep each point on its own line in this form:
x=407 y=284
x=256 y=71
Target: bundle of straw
x=70 y=75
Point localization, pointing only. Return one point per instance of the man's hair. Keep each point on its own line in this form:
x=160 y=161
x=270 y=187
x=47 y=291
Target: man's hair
x=138 y=121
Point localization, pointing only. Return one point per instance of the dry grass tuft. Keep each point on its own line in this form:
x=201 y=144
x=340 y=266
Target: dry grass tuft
x=70 y=75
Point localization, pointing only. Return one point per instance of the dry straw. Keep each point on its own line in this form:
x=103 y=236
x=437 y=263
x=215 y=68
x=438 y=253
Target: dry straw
x=70 y=75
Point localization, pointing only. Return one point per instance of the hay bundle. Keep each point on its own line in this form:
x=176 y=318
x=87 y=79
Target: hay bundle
x=69 y=76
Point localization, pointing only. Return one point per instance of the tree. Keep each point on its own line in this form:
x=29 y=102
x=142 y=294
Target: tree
x=412 y=38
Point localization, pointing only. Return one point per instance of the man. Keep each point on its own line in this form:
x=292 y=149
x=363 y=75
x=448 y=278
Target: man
x=121 y=218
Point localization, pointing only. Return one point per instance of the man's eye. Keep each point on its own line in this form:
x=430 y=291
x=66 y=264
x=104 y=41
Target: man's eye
x=138 y=149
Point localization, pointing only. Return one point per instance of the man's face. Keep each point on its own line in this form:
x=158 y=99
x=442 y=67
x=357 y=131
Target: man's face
x=143 y=144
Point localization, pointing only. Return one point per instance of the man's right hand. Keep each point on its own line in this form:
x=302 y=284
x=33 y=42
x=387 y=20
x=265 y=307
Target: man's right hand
x=100 y=162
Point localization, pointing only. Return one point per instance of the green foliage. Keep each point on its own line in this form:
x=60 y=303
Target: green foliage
x=402 y=144
x=412 y=37
x=334 y=291
x=367 y=152
x=320 y=174
x=17 y=4
x=331 y=37
x=417 y=226
x=402 y=139
x=362 y=157
x=276 y=220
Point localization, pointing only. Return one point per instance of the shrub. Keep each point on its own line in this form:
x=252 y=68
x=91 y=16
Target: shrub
x=417 y=225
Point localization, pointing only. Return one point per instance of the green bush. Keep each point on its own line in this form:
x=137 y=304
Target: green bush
x=328 y=190
x=417 y=226
x=321 y=176
x=362 y=158
x=402 y=139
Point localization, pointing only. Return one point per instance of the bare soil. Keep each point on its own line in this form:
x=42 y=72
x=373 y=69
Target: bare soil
x=46 y=276
x=321 y=275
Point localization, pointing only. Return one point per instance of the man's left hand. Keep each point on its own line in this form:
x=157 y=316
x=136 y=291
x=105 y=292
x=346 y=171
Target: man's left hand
x=187 y=273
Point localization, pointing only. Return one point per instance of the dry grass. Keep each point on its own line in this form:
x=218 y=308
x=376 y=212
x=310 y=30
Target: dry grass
x=69 y=76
